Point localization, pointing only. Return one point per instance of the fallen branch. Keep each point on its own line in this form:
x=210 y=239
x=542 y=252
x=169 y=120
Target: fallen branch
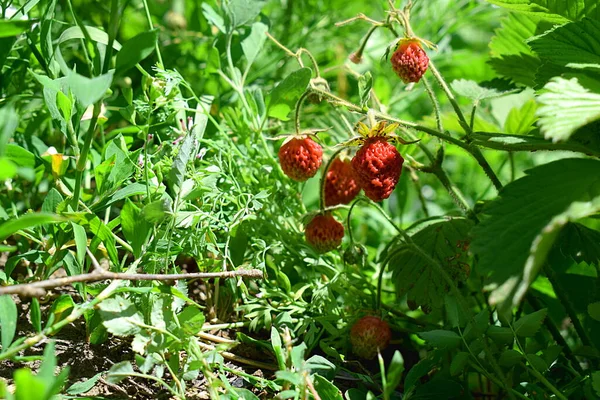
x=38 y=289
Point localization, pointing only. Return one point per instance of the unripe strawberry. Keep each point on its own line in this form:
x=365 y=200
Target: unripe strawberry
x=324 y=233
x=300 y=158
x=368 y=335
x=410 y=61
x=377 y=165
x=341 y=186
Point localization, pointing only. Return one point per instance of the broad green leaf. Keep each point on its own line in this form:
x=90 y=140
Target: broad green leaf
x=528 y=325
x=594 y=310
x=157 y=210
x=459 y=362
x=97 y=35
x=28 y=221
x=418 y=371
x=501 y=335
x=554 y=11
x=99 y=232
x=61 y=308
x=9 y=121
x=191 y=320
x=80 y=242
x=84 y=386
x=28 y=386
x=243 y=11
x=213 y=17
x=472 y=90
x=8 y=169
x=283 y=97
x=8 y=320
x=565 y=106
x=14 y=27
x=178 y=170
x=135 y=228
x=119 y=371
x=19 y=155
x=596 y=382
x=326 y=389
x=447 y=242
x=509 y=358
x=135 y=50
x=573 y=43
x=88 y=91
x=537 y=362
x=252 y=44
x=52 y=200
x=543 y=243
x=322 y=366
x=120 y=316
x=521 y=121
x=510 y=55
x=441 y=339
x=505 y=236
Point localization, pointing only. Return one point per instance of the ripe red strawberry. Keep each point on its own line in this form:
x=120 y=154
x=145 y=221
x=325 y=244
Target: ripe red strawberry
x=377 y=165
x=300 y=158
x=410 y=61
x=368 y=335
x=324 y=233
x=341 y=186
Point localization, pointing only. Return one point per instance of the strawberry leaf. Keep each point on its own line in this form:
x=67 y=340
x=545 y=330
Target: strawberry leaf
x=447 y=242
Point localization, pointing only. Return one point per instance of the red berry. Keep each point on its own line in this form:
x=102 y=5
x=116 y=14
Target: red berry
x=368 y=335
x=340 y=183
x=300 y=158
x=324 y=233
x=377 y=165
x=410 y=61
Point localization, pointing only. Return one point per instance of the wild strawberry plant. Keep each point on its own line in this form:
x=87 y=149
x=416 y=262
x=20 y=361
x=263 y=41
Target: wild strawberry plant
x=301 y=199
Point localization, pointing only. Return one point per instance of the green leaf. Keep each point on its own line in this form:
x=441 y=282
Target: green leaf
x=8 y=169
x=8 y=320
x=244 y=11
x=84 y=386
x=521 y=121
x=418 y=371
x=88 y=91
x=135 y=228
x=191 y=320
x=510 y=56
x=472 y=90
x=596 y=382
x=446 y=242
x=252 y=45
x=28 y=386
x=14 y=27
x=119 y=371
x=120 y=316
x=178 y=169
x=459 y=362
x=365 y=84
x=283 y=97
x=320 y=365
x=557 y=12
x=509 y=358
x=500 y=335
x=135 y=50
x=528 y=325
x=573 y=43
x=565 y=106
x=326 y=389
x=80 y=242
x=157 y=210
x=594 y=310
x=505 y=236
x=19 y=155
x=36 y=315
x=441 y=338
x=394 y=374
x=9 y=122
x=28 y=221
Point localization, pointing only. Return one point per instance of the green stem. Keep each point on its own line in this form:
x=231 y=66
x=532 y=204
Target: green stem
x=149 y=18
x=298 y=111
x=461 y=117
x=496 y=380
x=542 y=379
x=434 y=103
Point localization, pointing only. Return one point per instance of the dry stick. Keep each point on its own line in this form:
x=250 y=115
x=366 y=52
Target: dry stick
x=33 y=289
